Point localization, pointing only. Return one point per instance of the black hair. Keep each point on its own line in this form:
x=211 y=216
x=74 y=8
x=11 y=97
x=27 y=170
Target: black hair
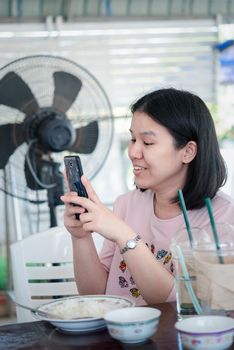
x=187 y=118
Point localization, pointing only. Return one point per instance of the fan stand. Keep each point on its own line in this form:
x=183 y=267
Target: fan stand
x=54 y=193
x=52 y=208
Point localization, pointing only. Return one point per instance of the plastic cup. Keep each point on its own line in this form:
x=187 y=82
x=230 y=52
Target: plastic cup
x=215 y=280
x=211 y=282
x=184 y=302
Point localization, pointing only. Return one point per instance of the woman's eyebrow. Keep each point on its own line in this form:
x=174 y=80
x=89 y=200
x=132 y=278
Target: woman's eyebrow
x=148 y=133
x=145 y=133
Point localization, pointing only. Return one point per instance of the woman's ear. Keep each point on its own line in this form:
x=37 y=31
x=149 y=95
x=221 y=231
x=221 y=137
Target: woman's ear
x=190 y=151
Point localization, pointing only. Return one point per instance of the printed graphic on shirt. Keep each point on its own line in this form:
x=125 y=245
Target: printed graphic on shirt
x=122 y=282
x=122 y=265
x=135 y=292
x=167 y=258
x=172 y=267
x=161 y=253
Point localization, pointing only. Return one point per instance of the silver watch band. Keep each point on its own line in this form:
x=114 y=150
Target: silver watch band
x=128 y=247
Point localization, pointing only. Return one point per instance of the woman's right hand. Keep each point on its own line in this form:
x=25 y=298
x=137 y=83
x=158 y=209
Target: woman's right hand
x=72 y=224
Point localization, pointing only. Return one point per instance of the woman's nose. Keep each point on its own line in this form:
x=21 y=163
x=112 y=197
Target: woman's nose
x=134 y=151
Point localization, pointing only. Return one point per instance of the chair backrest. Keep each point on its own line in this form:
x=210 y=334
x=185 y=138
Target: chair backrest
x=42 y=268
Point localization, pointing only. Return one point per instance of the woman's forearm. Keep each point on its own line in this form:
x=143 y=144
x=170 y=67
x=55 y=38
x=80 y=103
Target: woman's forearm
x=152 y=279
x=90 y=275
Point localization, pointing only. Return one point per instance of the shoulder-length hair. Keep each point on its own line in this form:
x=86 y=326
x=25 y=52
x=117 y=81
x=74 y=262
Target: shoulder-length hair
x=187 y=118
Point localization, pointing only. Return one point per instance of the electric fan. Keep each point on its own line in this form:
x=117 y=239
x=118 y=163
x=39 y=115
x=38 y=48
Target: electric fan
x=50 y=107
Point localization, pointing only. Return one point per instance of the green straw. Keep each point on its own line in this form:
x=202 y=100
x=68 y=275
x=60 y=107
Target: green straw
x=214 y=230
x=184 y=210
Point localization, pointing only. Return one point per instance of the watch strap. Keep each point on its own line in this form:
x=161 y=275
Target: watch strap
x=126 y=248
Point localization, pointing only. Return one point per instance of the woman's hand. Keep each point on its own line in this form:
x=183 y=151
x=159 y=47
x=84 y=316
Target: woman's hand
x=98 y=218
x=72 y=224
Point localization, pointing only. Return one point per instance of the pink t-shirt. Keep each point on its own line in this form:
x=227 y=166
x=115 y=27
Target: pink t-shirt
x=136 y=209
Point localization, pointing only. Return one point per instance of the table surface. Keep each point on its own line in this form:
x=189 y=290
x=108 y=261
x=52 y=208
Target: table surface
x=42 y=335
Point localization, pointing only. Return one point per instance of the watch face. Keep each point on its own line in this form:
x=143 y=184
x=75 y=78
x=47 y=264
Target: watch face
x=131 y=244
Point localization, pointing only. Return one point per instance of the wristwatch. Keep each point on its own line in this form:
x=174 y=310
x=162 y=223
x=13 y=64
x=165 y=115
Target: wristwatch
x=131 y=244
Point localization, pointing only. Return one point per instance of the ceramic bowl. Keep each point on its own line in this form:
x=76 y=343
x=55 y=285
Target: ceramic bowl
x=83 y=313
x=134 y=325
x=206 y=332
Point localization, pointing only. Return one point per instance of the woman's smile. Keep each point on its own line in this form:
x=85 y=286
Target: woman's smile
x=137 y=169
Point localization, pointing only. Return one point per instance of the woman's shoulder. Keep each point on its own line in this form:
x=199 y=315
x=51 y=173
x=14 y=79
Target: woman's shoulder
x=222 y=208
x=222 y=200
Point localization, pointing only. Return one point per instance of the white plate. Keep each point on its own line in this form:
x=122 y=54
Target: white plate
x=92 y=306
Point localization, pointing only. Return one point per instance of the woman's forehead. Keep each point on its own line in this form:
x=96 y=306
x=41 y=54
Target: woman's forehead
x=144 y=124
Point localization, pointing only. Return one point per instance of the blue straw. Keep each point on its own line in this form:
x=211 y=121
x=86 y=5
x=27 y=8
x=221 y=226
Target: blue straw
x=214 y=230
x=188 y=284
x=184 y=210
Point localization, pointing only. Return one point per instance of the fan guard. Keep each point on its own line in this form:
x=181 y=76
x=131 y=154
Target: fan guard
x=53 y=83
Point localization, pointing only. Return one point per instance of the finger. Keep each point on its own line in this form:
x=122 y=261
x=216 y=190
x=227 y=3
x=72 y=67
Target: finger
x=72 y=222
x=86 y=217
x=69 y=198
x=90 y=191
x=76 y=210
x=81 y=201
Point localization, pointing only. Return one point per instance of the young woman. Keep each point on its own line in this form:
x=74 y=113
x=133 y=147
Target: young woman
x=173 y=146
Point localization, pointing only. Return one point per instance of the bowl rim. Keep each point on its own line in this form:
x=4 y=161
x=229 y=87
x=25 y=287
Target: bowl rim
x=125 y=322
x=179 y=326
x=91 y=297
x=197 y=334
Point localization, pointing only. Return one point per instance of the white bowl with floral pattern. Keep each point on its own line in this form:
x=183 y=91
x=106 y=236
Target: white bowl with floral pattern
x=206 y=332
x=132 y=325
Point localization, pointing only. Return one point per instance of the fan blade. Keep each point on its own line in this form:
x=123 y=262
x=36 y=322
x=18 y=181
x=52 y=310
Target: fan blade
x=14 y=92
x=67 y=87
x=11 y=137
x=86 y=139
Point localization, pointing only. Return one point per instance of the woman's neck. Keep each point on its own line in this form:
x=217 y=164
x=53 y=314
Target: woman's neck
x=164 y=209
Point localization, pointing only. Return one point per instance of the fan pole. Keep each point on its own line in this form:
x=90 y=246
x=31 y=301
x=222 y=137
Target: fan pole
x=54 y=193
x=53 y=217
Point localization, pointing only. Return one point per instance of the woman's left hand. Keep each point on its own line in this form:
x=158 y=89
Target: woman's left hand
x=98 y=217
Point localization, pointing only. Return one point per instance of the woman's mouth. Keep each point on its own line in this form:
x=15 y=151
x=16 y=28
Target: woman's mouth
x=138 y=170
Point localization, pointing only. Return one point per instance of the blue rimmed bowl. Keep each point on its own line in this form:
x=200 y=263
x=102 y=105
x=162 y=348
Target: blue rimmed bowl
x=206 y=332
x=132 y=325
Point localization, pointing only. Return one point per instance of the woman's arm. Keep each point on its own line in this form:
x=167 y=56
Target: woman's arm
x=152 y=279
x=90 y=275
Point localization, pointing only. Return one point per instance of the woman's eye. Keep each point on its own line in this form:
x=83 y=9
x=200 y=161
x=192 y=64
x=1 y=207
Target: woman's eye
x=132 y=140
x=148 y=143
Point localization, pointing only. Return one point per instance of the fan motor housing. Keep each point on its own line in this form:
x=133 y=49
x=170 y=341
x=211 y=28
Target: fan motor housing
x=53 y=130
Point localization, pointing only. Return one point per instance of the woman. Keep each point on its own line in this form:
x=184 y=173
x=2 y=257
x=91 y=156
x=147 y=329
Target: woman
x=173 y=146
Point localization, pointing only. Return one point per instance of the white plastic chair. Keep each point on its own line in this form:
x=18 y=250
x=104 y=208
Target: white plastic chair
x=42 y=268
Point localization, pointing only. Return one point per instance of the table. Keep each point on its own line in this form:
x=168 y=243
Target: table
x=42 y=335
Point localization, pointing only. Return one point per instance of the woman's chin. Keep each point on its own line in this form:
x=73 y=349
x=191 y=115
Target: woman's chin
x=141 y=185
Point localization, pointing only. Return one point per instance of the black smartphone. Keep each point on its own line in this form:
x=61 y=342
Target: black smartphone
x=74 y=172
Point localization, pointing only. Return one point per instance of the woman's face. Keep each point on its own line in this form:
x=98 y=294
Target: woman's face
x=157 y=164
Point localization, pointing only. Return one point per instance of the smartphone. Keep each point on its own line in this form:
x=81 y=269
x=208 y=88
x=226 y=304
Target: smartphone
x=74 y=172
